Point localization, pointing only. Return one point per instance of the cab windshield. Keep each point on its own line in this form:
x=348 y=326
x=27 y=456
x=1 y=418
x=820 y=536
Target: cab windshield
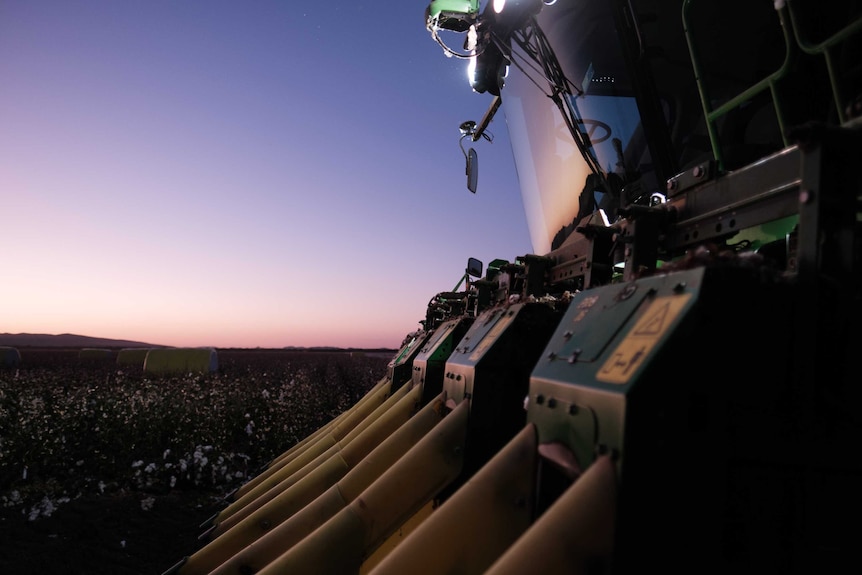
x=603 y=107
x=554 y=172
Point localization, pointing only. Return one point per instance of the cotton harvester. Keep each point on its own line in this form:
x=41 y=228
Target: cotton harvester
x=665 y=383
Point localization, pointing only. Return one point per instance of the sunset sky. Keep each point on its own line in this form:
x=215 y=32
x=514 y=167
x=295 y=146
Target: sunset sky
x=238 y=174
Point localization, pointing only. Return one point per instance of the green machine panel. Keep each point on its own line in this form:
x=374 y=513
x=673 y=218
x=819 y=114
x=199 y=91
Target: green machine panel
x=400 y=368
x=686 y=379
x=430 y=363
x=491 y=368
x=595 y=357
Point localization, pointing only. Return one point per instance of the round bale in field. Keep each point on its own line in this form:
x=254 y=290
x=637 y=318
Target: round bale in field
x=95 y=354
x=181 y=360
x=9 y=356
x=133 y=356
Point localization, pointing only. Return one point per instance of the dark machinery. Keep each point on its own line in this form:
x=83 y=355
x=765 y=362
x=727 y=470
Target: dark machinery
x=666 y=383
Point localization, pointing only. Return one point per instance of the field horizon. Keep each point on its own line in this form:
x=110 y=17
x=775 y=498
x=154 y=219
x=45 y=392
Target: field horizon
x=73 y=341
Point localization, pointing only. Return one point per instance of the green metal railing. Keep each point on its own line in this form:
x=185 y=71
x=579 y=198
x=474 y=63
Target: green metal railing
x=794 y=40
x=824 y=49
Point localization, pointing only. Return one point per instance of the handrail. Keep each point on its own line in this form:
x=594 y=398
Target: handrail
x=823 y=48
x=769 y=82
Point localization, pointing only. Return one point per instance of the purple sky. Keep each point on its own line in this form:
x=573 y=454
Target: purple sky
x=238 y=174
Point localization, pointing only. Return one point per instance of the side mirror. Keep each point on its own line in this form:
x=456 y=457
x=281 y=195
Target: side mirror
x=474 y=269
x=472 y=170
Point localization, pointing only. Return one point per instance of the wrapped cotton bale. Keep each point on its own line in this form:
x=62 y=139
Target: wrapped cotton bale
x=94 y=354
x=181 y=360
x=9 y=356
x=132 y=356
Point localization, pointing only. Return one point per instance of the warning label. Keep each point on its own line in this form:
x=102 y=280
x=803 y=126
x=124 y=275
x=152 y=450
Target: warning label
x=639 y=342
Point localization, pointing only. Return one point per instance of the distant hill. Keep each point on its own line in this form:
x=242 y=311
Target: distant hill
x=65 y=340
x=71 y=340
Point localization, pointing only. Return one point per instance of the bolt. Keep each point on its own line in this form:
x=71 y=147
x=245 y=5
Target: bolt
x=806 y=196
x=698 y=172
x=568 y=334
x=540 y=399
x=552 y=403
x=628 y=291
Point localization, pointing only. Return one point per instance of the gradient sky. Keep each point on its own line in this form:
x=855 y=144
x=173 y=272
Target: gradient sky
x=238 y=174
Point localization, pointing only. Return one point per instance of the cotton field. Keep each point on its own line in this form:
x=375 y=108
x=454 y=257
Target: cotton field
x=70 y=428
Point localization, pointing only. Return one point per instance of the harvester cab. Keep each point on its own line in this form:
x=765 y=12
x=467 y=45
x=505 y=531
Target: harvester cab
x=666 y=380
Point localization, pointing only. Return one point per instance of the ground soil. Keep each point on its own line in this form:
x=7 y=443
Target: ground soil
x=109 y=534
